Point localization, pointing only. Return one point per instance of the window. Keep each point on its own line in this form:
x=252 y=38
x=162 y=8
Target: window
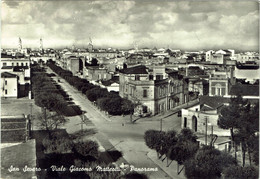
x=17 y=64
x=26 y=64
x=213 y=91
x=145 y=93
x=22 y=64
x=5 y=82
x=12 y=64
x=223 y=91
x=137 y=77
x=6 y=91
x=4 y=64
x=159 y=77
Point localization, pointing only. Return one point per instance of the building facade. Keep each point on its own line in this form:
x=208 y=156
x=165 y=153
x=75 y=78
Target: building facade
x=155 y=87
x=9 y=85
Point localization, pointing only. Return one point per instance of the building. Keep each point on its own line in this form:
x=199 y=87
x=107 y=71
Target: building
x=218 y=84
x=220 y=56
x=9 y=85
x=112 y=84
x=73 y=64
x=16 y=68
x=205 y=113
x=14 y=60
x=157 y=88
x=96 y=73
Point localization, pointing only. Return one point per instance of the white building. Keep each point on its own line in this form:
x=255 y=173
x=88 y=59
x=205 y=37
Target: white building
x=9 y=85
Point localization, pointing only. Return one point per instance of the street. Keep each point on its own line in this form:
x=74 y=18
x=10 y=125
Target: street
x=116 y=132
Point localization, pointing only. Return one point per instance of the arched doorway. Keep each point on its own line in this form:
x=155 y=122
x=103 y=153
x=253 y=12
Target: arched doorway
x=194 y=123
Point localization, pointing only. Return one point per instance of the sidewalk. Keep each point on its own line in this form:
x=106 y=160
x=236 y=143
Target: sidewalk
x=171 y=170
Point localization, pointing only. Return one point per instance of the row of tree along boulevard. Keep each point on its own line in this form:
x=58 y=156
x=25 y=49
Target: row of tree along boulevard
x=110 y=102
x=67 y=155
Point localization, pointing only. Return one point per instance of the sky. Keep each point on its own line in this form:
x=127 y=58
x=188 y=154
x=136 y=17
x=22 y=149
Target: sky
x=186 y=25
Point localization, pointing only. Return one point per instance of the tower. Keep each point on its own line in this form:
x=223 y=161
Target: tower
x=20 y=46
x=41 y=46
x=90 y=45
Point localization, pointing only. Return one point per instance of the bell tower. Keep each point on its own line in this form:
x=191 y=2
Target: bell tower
x=20 y=46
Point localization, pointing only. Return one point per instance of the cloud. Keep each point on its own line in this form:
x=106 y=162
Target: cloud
x=184 y=24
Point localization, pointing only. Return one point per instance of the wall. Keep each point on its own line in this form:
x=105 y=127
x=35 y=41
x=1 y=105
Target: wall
x=11 y=87
x=201 y=127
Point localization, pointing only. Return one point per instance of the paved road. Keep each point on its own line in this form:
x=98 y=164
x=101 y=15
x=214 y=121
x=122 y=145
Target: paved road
x=127 y=138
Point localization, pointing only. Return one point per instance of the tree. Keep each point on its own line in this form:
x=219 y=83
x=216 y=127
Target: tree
x=127 y=107
x=95 y=93
x=185 y=147
x=229 y=116
x=182 y=151
x=170 y=141
x=155 y=140
x=87 y=148
x=247 y=128
x=238 y=172
x=207 y=163
x=134 y=175
x=51 y=121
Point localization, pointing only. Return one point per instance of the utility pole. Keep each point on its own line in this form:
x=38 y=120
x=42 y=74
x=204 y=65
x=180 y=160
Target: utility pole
x=82 y=121
x=31 y=116
x=161 y=124
x=206 y=128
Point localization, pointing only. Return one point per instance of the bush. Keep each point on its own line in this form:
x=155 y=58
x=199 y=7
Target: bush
x=95 y=93
x=87 y=148
x=134 y=175
x=57 y=145
x=72 y=110
x=208 y=163
x=238 y=172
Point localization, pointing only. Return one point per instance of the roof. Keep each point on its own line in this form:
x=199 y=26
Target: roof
x=20 y=68
x=7 y=67
x=244 y=89
x=213 y=102
x=115 y=79
x=170 y=71
x=3 y=55
x=8 y=75
x=141 y=69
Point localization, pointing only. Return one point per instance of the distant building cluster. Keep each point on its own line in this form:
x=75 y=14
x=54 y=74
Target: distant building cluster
x=194 y=83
